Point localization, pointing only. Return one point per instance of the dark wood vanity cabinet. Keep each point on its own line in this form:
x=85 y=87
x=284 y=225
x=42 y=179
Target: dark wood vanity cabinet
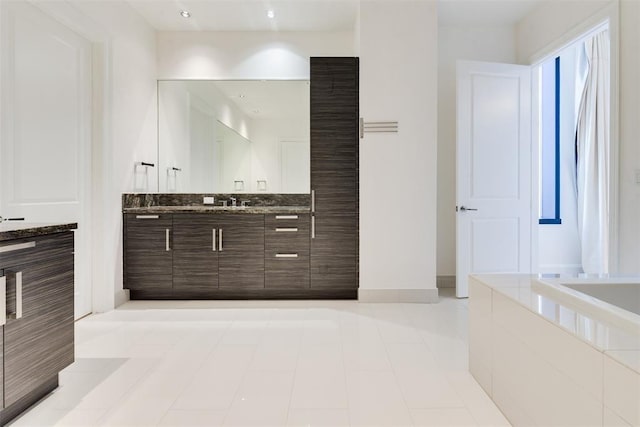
x=186 y=255
x=334 y=173
x=148 y=259
x=38 y=336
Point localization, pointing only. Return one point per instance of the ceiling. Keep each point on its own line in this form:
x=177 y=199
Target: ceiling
x=249 y=15
x=310 y=15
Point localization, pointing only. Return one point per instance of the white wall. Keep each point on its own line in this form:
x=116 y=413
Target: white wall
x=492 y=44
x=629 y=219
x=546 y=30
x=398 y=81
x=559 y=244
x=246 y=55
x=127 y=126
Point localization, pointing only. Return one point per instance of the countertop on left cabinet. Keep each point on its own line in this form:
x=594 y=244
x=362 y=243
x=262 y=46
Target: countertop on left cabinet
x=36 y=311
x=23 y=230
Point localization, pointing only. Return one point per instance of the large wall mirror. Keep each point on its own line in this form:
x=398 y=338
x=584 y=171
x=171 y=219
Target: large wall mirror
x=233 y=136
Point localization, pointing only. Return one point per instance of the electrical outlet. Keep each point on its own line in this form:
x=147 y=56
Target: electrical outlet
x=208 y=200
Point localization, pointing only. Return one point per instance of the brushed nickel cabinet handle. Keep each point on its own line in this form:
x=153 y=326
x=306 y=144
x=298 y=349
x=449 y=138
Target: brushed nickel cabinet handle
x=220 y=240
x=280 y=229
x=313 y=227
x=166 y=240
x=286 y=255
x=19 y=295
x=147 y=216
x=17 y=247
x=18 y=313
x=286 y=216
x=313 y=201
x=213 y=239
x=3 y=300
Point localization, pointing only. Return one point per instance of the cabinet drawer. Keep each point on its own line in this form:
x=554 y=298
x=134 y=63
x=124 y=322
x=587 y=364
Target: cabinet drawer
x=273 y=221
x=286 y=269
x=287 y=234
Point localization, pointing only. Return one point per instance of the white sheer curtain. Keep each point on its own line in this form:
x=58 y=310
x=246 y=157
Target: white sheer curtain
x=592 y=155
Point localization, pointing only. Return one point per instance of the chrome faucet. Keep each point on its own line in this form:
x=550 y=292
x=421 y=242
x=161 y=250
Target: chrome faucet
x=233 y=201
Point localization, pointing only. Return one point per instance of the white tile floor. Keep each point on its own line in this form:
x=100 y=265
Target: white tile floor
x=312 y=363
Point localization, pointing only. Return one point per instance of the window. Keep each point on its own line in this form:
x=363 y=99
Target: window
x=550 y=143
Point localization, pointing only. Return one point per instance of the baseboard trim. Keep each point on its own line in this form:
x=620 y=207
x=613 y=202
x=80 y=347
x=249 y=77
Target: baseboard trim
x=445 y=282
x=398 y=295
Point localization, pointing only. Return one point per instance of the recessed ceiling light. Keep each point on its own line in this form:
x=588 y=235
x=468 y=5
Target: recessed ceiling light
x=271 y=14
x=185 y=13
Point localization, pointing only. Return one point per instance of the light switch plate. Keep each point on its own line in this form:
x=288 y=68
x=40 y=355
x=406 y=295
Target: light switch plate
x=208 y=200
x=637 y=176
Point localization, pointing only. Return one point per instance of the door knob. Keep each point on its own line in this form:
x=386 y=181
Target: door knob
x=464 y=209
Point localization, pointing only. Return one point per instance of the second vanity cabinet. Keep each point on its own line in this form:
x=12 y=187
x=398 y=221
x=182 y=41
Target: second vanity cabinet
x=37 y=340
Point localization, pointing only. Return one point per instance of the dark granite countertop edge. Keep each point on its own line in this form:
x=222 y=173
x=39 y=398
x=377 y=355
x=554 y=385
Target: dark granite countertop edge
x=16 y=231
x=219 y=209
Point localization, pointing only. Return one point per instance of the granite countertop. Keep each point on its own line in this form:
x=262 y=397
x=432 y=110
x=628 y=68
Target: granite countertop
x=13 y=230
x=219 y=209
x=607 y=328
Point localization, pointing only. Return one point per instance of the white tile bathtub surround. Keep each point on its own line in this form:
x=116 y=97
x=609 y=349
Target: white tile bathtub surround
x=274 y=363
x=622 y=391
x=552 y=362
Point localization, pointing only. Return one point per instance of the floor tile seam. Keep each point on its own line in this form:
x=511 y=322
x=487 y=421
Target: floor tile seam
x=344 y=372
x=473 y=414
x=241 y=383
x=109 y=411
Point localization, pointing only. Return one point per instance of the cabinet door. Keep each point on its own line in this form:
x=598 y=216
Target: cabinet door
x=148 y=257
x=334 y=134
x=40 y=343
x=334 y=252
x=241 y=251
x=195 y=252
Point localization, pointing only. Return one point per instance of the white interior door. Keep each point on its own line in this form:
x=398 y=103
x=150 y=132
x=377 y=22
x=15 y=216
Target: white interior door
x=493 y=227
x=46 y=129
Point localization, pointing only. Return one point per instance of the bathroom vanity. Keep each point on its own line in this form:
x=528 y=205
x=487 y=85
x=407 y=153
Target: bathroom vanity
x=214 y=252
x=36 y=311
x=282 y=245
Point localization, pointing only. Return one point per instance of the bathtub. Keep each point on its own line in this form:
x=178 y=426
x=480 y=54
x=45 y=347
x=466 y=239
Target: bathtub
x=557 y=351
x=614 y=301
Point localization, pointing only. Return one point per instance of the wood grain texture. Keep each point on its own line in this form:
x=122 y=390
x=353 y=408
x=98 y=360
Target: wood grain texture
x=195 y=262
x=334 y=252
x=334 y=172
x=147 y=263
x=40 y=344
x=287 y=273
x=241 y=260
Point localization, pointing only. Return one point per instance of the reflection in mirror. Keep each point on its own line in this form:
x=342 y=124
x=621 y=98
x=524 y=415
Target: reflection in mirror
x=233 y=136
